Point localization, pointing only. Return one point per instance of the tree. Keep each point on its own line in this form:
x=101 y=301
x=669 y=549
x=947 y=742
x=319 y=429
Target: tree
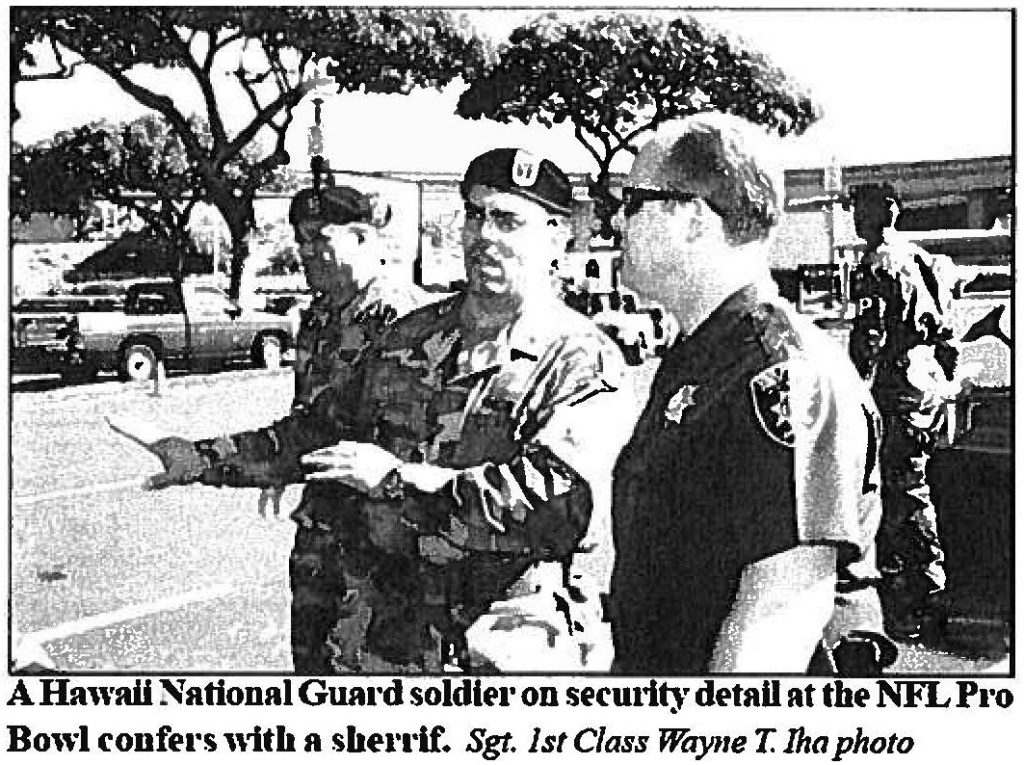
x=265 y=53
x=141 y=167
x=59 y=177
x=616 y=77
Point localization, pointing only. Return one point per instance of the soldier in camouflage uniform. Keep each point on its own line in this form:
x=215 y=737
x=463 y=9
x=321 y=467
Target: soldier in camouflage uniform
x=455 y=521
x=354 y=300
x=902 y=344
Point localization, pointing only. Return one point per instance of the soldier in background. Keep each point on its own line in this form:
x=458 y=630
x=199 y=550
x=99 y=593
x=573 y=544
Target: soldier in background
x=902 y=344
x=354 y=295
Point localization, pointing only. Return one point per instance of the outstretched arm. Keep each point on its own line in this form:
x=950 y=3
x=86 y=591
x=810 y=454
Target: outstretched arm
x=264 y=457
x=271 y=456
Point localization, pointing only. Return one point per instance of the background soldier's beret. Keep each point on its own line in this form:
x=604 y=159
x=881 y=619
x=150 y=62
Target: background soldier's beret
x=517 y=171
x=336 y=205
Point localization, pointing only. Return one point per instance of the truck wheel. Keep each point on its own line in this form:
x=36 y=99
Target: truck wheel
x=138 y=363
x=269 y=352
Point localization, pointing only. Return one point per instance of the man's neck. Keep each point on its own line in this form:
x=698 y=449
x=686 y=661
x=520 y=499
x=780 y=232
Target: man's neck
x=734 y=270
x=484 y=316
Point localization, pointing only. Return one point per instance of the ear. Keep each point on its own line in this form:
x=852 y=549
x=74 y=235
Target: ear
x=697 y=222
x=560 y=232
x=703 y=221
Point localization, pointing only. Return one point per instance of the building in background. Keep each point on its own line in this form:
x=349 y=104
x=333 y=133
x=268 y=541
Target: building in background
x=944 y=194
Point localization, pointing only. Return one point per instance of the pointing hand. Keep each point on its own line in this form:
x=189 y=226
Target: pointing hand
x=181 y=462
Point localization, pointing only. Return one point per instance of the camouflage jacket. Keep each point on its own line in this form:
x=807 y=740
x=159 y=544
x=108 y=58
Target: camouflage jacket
x=519 y=418
x=903 y=300
x=333 y=337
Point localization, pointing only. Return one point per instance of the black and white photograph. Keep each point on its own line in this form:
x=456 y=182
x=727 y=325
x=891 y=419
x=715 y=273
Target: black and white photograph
x=607 y=343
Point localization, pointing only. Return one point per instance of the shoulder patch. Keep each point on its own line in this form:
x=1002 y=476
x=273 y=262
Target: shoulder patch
x=774 y=332
x=770 y=391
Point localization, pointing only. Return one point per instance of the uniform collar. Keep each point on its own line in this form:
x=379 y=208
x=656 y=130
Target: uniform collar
x=325 y=301
x=714 y=342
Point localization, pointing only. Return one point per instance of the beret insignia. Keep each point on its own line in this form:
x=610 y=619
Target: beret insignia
x=524 y=168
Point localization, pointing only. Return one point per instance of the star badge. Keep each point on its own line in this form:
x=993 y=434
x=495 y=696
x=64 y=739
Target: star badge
x=681 y=400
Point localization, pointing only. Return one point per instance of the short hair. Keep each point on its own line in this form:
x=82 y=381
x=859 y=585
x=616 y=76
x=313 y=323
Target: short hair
x=332 y=205
x=720 y=158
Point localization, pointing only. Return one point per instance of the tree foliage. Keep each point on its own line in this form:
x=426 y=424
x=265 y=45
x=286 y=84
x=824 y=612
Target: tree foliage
x=141 y=167
x=263 y=52
x=615 y=77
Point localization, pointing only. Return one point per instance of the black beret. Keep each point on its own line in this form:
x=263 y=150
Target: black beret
x=336 y=205
x=517 y=171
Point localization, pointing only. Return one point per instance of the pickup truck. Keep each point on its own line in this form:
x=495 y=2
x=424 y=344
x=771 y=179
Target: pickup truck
x=184 y=325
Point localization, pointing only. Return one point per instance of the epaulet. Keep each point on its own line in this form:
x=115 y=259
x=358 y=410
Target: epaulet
x=773 y=328
x=420 y=322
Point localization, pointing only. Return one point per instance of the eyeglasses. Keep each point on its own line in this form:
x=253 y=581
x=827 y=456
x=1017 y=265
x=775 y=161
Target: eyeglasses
x=311 y=232
x=633 y=198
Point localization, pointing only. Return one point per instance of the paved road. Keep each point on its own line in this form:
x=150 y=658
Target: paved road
x=107 y=577
x=113 y=577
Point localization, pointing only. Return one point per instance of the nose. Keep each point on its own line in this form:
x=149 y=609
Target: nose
x=480 y=231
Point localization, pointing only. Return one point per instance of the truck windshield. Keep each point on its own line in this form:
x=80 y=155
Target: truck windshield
x=151 y=299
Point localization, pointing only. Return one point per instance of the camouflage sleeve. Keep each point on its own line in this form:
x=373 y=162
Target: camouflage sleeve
x=540 y=502
x=534 y=505
x=270 y=456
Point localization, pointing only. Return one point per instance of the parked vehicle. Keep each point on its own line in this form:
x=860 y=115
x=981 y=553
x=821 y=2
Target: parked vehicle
x=641 y=330
x=184 y=325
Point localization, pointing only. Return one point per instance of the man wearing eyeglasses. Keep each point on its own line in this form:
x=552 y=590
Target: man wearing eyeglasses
x=469 y=460
x=747 y=498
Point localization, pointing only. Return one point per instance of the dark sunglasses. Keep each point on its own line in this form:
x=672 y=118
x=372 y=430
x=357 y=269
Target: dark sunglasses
x=633 y=198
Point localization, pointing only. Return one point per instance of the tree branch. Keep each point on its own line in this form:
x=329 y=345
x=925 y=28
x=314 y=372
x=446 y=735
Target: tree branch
x=216 y=45
x=162 y=104
x=583 y=140
x=625 y=142
x=279 y=71
x=63 y=73
x=263 y=118
x=211 y=54
x=202 y=78
x=247 y=84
